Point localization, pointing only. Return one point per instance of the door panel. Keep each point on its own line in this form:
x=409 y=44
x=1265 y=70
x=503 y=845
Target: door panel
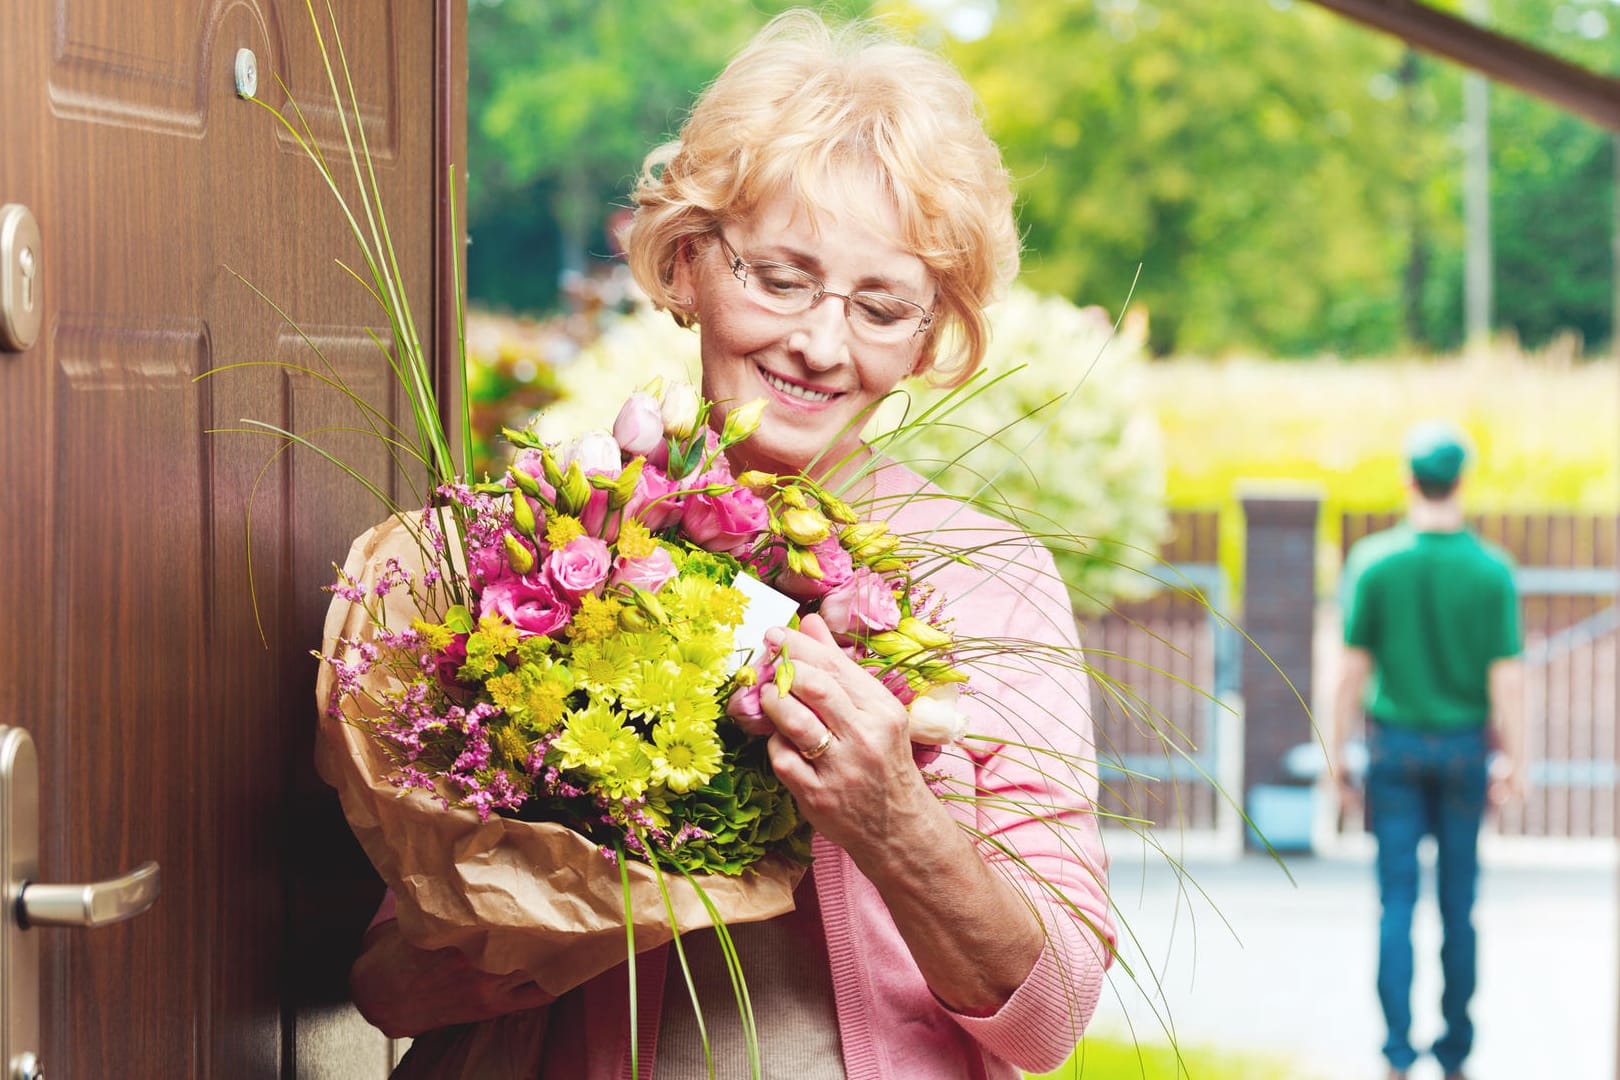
x=173 y=721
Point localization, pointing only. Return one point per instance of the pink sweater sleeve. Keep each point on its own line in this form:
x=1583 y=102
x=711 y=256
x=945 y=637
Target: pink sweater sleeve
x=1033 y=791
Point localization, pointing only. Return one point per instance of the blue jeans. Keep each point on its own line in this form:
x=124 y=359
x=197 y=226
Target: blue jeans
x=1426 y=782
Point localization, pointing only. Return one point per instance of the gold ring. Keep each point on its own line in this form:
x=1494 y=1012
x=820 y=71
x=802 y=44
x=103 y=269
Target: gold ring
x=818 y=749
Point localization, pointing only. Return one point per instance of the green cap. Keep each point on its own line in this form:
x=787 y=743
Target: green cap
x=1436 y=452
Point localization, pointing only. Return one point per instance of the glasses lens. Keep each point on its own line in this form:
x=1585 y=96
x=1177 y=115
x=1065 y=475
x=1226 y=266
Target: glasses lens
x=883 y=317
x=782 y=288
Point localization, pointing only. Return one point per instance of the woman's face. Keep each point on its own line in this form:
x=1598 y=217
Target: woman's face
x=815 y=373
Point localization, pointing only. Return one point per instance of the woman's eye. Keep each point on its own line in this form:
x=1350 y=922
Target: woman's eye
x=783 y=284
x=879 y=311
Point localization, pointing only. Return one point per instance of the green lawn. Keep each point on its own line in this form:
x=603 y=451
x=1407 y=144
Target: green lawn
x=1103 y=1059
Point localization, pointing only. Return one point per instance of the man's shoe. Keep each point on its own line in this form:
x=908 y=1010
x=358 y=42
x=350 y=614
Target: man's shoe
x=1397 y=1074
x=1458 y=1075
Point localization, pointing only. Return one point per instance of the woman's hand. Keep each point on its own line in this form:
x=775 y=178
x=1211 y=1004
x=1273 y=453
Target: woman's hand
x=839 y=742
x=841 y=746
x=405 y=991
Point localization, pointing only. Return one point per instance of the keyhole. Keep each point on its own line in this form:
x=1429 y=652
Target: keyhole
x=26 y=264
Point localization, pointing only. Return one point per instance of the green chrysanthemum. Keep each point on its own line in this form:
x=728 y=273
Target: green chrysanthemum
x=705 y=654
x=592 y=739
x=684 y=756
x=654 y=686
x=605 y=667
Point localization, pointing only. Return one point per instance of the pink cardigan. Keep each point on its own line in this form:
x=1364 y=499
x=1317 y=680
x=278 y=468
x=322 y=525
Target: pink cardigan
x=890 y=1025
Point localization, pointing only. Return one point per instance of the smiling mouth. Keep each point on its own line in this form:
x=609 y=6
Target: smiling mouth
x=795 y=390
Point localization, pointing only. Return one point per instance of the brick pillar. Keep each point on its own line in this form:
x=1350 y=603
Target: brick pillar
x=1279 y=603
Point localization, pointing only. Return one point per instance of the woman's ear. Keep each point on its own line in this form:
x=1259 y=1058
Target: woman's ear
x=683 y=279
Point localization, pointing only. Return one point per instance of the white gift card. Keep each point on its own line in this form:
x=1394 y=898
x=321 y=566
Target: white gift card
x=766 y=608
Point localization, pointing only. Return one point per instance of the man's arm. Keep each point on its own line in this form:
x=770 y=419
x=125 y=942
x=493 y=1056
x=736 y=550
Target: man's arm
x=1507 y=729
x=1355 y=666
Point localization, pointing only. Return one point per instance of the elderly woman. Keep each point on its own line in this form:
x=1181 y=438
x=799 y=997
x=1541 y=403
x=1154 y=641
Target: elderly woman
x=833 y=219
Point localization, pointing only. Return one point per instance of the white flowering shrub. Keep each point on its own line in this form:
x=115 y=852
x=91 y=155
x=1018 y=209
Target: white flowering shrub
x=1064 y=443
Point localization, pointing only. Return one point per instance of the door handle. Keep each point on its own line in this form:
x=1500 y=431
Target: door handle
x=28 y=903
x=97 y=904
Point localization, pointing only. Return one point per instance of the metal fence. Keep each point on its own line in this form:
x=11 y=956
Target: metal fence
x=1568 y=580
x=1164 y=666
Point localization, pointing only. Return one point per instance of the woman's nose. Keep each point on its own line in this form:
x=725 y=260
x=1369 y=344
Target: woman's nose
x=823 y=335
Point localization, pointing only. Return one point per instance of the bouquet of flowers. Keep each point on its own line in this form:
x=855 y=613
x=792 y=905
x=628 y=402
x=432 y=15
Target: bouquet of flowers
x=560 y=648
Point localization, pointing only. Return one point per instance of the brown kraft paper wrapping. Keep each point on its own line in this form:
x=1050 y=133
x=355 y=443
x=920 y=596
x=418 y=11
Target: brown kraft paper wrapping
x=512 y=895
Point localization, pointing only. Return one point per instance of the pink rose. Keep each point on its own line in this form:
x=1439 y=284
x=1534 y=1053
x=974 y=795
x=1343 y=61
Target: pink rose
x=728 y=522
x=447 y=662
x=640 y=425
x=527 y=602
x=650 y=572
x=580 y=566
x=647 y=503
x=863 y=605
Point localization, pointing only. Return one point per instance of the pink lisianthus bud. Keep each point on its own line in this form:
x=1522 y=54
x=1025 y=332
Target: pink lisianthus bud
x=728 y=522
x=640 y=424
x=526 y=601
x=531 y=462
x=652 y=572
x=862 y=605
x=597 y=517
x=486 y=563
x=594 y=452
x=678 y=406
x=580 y=566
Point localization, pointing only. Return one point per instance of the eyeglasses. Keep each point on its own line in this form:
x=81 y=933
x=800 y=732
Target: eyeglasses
x=878 y=318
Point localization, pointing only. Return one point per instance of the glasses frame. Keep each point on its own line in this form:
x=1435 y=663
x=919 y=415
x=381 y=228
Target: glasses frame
x=741 y=268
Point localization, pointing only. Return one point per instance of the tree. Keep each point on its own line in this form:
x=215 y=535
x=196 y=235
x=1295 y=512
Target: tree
x=566 y=97
x=1236 y=151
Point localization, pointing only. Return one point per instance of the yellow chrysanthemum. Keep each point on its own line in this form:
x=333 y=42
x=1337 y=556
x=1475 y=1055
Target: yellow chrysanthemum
x=592 y=738
x=684 y=756
x=628 y=773
x=694 y=709
x=596 y=620
x=560 y=528
x=652 y=688
x=502 y=635
x=605 y=667
x=706 y=652
x=635 y=542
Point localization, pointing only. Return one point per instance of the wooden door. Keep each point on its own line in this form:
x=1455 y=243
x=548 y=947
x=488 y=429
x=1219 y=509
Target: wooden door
x=166 y=728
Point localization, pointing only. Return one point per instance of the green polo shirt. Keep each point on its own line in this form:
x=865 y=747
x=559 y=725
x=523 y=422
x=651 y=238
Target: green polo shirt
x=1434 y=609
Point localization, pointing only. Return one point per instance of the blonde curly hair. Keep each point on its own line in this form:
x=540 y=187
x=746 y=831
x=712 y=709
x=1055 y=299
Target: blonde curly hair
x=803 y=107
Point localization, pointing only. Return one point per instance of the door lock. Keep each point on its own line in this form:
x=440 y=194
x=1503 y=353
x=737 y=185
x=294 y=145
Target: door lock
x=22 y=281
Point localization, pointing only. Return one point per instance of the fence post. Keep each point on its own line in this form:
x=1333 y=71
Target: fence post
x=1279 y=602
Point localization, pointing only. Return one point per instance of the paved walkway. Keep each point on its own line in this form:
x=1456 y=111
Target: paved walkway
x=1291 y=968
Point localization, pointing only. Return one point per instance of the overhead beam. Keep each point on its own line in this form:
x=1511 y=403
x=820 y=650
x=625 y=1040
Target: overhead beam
x=1503 y=59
